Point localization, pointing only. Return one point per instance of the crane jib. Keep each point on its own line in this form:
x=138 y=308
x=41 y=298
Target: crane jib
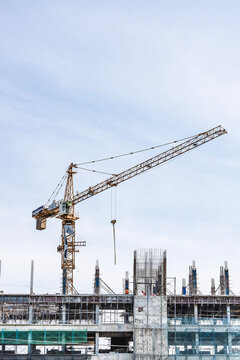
x=195 y=141
x=159 y=159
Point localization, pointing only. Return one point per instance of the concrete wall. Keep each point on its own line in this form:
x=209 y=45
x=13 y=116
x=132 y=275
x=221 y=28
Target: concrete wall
x=150 y=328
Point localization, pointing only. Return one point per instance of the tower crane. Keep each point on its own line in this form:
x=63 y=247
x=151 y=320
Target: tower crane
x=65 y=209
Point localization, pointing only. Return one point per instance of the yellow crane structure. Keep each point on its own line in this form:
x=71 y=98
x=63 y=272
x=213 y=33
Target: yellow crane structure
x=65 y=209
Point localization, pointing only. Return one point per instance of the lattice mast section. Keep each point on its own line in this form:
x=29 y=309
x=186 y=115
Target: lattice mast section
x=68 y=246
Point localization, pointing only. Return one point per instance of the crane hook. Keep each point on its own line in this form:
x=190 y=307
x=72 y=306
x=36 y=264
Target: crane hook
x=113 y=222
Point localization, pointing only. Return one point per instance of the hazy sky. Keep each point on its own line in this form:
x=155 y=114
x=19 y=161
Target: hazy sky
x=81 y=80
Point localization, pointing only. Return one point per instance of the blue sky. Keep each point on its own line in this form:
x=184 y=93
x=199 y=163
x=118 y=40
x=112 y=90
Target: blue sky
x=82 y=80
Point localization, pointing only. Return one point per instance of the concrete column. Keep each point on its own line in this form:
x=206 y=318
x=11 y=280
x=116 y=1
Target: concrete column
x=96 y=343
x=2 y=314
x=31 y=347
x=229 y=330
x=228 y=314
x=64 y=313
x=64 y=322
x=196 y=313
x=30 y=314
x=97 y=314
x=29 y=342
x=63 y=341
x=197 y=333
x=3 y=346
x=150 y=327
x=30 y=321
x=229 y=342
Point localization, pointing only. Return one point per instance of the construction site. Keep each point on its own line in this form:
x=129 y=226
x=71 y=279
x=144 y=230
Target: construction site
x=149 y=323
x=149 y=320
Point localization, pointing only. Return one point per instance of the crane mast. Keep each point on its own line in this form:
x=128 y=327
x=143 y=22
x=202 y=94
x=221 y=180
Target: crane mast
x=65 y=208
x=69 y=246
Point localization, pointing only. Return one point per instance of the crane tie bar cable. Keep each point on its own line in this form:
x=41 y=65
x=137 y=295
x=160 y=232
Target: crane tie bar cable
x=135 y=152
x=96 y=171
x=58 y=187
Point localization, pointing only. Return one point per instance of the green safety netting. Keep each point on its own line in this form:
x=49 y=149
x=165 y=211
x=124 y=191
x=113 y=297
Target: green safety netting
x=45 y=337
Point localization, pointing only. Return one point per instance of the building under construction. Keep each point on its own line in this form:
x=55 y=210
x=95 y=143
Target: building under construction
x=149 y=320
